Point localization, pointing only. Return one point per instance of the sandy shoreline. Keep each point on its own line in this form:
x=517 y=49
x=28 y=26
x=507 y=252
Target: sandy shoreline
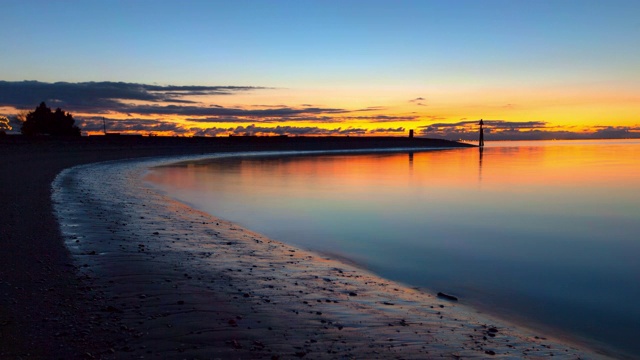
x=286 y=302
x=148 y=293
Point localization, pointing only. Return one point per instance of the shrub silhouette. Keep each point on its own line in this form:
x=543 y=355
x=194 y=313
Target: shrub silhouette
x=43 y=121
x=4 y=125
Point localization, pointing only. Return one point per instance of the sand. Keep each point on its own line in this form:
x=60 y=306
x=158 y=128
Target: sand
x=197 y=286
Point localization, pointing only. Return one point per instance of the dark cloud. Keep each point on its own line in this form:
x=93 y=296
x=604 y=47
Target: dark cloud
x=388 y=130
x=251 y=130
x=300 y=130
x=222 y=111
x=521 y=130
x=284 y=118
x=618 y=132
x=266 y=120
x=493 y=129
x=465 y=130
x=418 y=101
x=312 y=119
x=146 y=126
x=101 y=96
x=105 y=97
x=372 y=108
x=142 y=100
x=211 y=131
x=130 y=125
x=219 y=120
x=489 y=124
x=273 y=106
x=342 y=118
x=382 y=118
x=305 y=130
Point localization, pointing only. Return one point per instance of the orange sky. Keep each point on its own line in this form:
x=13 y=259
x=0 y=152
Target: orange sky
x=549 y=112
x=575 y=110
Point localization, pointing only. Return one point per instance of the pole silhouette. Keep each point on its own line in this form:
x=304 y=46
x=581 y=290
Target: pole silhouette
x=481 y=142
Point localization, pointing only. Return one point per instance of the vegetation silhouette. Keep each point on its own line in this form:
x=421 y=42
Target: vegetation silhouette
x=4 y=125
x=43 y=121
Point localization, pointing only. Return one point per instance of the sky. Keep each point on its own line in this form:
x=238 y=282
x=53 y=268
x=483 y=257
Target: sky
x=531 y=69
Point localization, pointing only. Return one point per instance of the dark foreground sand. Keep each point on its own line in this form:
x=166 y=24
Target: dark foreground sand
x=242 y=296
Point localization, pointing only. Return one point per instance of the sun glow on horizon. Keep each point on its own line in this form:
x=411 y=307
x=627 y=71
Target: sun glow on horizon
x=346 y=112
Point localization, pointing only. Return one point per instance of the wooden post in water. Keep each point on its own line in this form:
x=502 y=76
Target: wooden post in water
x=481 y=142
x=411 y=134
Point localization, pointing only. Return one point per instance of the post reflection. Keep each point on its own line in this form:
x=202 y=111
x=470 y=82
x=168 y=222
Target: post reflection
x=411 y=161
x=480 y=155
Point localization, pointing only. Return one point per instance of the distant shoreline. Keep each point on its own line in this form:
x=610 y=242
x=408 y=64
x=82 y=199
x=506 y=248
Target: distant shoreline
x=178 y=145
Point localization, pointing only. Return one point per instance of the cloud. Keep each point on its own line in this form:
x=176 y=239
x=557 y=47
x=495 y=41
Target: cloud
x=294 y=130
x=284 y=118
x=520 y=130
x=489 y=124
x=382 y=118
x=418 y=101
x=148 y=109
x=266 y=120
x=372 y=108
x=131 y=125
x=493 y=129
x=107 y=97
x=222 y=111
x=211 y=131
x=140 y=103
x=619 y=132
x=252 y=130
x=137 y=125
x=389 y=130
x=101 y=96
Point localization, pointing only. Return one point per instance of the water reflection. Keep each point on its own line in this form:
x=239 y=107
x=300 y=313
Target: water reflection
x=551 y=235
x=480 y=154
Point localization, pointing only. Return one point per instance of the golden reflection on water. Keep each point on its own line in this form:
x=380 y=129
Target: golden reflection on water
x=570 y=174
x=500 y=169
x=550 y=224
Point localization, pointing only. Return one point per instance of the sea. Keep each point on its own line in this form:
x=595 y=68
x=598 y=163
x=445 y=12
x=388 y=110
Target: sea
x=543 y=233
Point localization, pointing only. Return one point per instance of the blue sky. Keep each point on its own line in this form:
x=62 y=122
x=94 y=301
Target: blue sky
x=362 y=50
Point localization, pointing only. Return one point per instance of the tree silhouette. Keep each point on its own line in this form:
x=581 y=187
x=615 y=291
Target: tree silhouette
x=43 y=121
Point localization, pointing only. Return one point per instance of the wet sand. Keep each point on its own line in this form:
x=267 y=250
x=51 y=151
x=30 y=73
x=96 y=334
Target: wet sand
x=147 y=276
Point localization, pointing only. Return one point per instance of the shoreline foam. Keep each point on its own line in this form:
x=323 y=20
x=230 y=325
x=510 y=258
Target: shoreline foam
x=180 y=282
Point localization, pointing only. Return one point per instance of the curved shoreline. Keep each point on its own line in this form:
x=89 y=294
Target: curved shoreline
x=48 y=310
x=243 y=295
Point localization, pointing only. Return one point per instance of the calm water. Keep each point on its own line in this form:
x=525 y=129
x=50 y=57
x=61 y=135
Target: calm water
x=544 y=232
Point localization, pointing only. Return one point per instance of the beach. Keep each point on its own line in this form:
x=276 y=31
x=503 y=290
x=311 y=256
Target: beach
x=129 y=284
